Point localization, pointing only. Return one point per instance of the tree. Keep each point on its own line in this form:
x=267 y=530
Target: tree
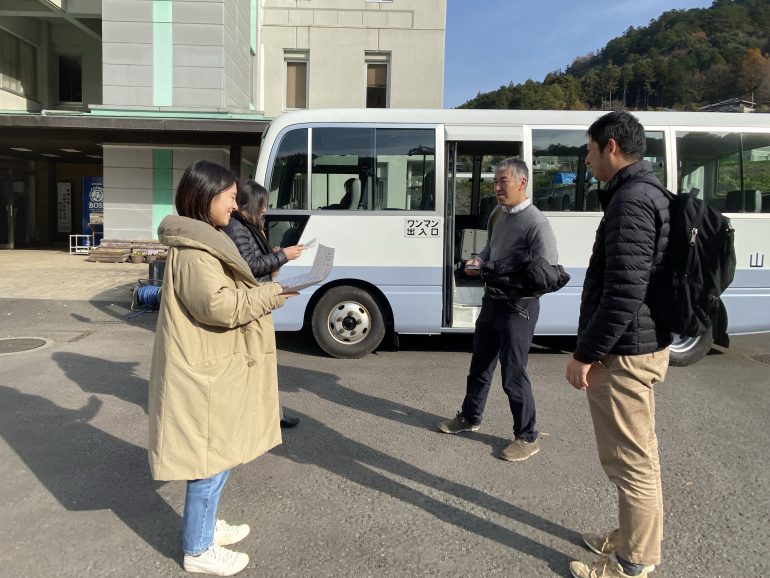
x=753 y=70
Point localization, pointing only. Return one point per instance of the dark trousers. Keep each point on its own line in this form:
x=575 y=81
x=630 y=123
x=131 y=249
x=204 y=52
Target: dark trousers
x=504 y=330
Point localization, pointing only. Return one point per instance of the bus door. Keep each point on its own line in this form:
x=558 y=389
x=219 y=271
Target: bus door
x=470 y=198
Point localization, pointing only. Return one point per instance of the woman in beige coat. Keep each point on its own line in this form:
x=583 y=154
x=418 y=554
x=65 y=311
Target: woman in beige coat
x=213 y=382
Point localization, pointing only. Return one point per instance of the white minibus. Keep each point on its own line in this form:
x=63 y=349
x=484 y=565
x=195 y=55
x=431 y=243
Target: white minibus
x=421 y=192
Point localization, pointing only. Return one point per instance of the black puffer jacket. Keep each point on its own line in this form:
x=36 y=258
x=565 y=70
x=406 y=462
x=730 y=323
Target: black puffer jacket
x=253 y=247
x=615 y=308
x=510 y=278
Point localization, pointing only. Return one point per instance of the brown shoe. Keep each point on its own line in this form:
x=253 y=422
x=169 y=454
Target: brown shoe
x=604 y=544
x=519 y=450
x=603 y=567
x=601 y=544
x=457 y=424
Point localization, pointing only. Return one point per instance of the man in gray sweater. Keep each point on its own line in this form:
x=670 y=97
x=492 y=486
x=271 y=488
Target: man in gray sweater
x=505 y=327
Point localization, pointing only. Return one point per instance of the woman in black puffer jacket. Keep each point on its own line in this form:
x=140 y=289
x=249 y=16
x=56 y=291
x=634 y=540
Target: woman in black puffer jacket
x=247 y=230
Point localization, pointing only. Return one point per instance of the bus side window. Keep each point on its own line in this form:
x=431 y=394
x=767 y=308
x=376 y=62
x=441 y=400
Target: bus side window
x=394 y=167
x=709 y=162
x=756 y=168
x=284 y=231
x=287 y=188
x=556 y=164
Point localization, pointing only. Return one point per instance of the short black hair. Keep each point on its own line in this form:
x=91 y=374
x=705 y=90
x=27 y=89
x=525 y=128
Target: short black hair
x=200 y=183
x=251 y=199
x=625 y=129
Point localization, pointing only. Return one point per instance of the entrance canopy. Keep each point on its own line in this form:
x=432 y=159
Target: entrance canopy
x=78 y=137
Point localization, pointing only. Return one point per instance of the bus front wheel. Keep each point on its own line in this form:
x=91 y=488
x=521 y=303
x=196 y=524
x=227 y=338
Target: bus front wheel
x=348 y=323
x=685 y=351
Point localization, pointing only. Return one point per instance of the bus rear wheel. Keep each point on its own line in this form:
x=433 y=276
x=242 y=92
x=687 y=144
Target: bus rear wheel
x=348 y=323
x=685 y=351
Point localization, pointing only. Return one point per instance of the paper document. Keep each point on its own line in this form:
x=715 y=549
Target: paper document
x=322 y=266
x=310 y=243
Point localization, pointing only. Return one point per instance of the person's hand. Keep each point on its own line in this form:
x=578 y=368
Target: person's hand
x=577 y=374
x=472 y=267
x=293 y=252
x=287 y=293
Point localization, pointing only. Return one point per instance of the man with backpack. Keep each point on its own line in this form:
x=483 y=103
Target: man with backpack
x=622 y=346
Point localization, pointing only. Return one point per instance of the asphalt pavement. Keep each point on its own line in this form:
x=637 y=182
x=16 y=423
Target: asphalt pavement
x=364 y=486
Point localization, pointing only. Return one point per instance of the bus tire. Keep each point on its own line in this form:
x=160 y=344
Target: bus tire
x=685 y=351
x=348 y=323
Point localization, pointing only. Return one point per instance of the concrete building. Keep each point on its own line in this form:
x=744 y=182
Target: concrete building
x=116 y=97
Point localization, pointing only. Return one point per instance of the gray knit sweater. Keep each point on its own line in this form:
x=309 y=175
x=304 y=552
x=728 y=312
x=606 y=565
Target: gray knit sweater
x=527 y=233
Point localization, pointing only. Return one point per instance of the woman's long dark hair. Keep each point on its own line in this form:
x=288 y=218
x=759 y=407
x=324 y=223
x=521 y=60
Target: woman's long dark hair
x=200 y=183
x=252 y=199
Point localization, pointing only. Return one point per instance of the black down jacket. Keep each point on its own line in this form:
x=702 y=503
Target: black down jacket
x=254 y=248
x=626 y=262
x=510 y=278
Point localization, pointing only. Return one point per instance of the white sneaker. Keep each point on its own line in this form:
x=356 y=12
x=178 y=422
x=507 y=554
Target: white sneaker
x=227 y=535
x=216 y=560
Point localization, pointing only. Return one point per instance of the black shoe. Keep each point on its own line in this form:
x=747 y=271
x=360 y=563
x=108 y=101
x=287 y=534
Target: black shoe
x=289 y=421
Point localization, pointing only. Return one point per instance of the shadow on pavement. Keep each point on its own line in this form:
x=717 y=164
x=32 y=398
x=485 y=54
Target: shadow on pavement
x=362 y=464
x=87 y=469
x=303 y=342
x=103 y=377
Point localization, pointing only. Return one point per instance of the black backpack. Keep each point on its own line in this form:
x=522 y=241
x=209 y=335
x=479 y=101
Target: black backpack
x=698 y=266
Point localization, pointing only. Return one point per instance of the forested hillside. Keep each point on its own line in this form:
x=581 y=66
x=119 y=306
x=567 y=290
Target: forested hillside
x=683 y=60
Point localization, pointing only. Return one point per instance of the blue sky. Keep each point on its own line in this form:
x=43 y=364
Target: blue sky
x=490 y=43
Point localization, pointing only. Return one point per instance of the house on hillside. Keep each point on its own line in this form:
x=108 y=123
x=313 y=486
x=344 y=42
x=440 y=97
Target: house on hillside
x=730 y=105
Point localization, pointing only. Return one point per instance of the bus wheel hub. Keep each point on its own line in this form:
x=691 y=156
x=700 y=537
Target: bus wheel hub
x=349 y=322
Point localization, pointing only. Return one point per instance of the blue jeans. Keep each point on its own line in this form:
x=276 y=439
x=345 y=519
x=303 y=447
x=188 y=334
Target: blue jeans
x=200 y=513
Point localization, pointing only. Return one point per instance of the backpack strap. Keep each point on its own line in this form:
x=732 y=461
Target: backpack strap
x=701 y=203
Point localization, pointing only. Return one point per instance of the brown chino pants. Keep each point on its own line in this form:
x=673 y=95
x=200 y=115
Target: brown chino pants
x=622 y=403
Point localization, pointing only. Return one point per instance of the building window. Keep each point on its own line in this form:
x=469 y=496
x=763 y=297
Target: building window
x=70 y=79
x=18 y=69
x=296 y=79
x=377 y=66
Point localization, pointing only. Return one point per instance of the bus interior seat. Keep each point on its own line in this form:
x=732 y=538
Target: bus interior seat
x=427 y=202
x=365 y=195
x=472 y=241
x=559 y=203
x=592 y=200
x=277 y=231
x=355 y=194
x=740 y=201
x=486 y=206
x=766 y=202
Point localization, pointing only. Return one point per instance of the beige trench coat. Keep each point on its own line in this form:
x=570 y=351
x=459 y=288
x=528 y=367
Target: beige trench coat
x=213 y=400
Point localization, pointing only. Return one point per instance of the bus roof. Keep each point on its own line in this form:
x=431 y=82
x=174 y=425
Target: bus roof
x=511 y=117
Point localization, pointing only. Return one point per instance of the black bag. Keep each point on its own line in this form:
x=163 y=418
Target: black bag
x=699 y=266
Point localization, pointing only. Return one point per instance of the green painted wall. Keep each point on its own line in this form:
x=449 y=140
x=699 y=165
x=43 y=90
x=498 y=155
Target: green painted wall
x=162 y=185
x=162 y=53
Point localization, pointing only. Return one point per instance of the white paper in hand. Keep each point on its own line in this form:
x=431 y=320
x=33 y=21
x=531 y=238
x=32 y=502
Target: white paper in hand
x=322 y=266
